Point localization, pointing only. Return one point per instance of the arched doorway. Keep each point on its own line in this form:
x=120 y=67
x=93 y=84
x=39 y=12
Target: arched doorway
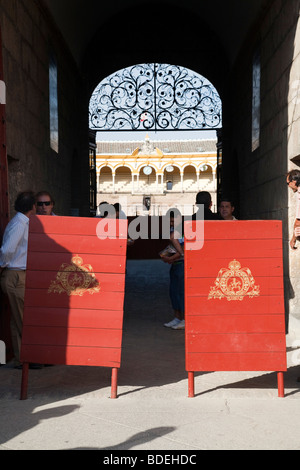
x=105 y=181
x=190 y=179
x=123 y=180
x=155 y=97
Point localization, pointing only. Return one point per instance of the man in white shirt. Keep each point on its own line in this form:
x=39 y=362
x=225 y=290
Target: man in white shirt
x=13 y=263
x=293 y=182
x=226 y=209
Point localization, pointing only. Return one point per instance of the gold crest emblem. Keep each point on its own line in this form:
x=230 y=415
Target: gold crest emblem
x=75 y=279
x=234 y=283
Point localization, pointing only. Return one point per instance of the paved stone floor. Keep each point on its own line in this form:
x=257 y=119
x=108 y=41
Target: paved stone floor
x=69 y=407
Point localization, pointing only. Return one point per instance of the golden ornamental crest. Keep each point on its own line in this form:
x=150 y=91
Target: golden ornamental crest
x=234 y=283
x=75 y=279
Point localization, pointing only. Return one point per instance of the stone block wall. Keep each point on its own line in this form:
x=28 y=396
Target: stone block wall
x=262 y=173
x=28 y=34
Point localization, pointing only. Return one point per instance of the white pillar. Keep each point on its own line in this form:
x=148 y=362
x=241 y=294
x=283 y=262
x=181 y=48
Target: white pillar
x=214 y=180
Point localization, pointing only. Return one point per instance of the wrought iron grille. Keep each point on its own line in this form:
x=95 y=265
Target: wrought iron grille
x=155 y=97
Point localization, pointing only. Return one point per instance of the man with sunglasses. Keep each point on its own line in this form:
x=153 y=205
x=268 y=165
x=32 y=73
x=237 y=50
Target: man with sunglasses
x=44 y=203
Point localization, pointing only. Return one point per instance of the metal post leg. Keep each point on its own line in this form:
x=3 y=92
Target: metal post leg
x=24 y=383
x=191 y=384
x=280 y=384
x=114 y=382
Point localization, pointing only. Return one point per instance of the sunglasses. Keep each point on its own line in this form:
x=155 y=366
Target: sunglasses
x=42 y=203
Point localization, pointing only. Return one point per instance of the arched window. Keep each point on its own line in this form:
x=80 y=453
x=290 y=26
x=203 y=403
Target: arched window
x=155 y=97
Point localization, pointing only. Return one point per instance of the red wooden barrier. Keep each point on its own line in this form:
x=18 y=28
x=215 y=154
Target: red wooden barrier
x=4 y=209
x=73 y=311
x=234 y=301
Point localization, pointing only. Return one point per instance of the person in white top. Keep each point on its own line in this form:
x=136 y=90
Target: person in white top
x=293 y=182
x=13 y=263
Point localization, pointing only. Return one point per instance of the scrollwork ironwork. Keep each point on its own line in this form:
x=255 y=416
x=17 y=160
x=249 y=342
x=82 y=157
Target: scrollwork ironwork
x=155 y=97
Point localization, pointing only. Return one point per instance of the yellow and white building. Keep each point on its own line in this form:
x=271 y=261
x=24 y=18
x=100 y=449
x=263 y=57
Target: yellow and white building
x=153 y=176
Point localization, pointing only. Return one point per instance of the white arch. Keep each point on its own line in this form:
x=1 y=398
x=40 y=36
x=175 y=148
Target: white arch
x=176 y=165
x=140 y=167
x=207 y=164
x=190 y=164
x=104 y=165
x=121 y=165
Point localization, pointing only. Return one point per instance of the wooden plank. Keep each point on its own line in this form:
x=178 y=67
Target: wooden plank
x=75 y=318
x=229 y=323
x=67 y=336
x=101 y=301
x=71 y=243
x=74 y=225
x=199 y=305
x=235 y=250
x=252 y=361
x=232 y=342
x=54 y=261
x=108 y=282
x=268 y=286
x=196 y=267
x=88 y=356
x=242 y=230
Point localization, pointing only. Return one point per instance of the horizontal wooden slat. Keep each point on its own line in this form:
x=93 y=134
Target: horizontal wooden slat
x=258 y=305
x=234 y=250
x=253 y=361
x=73 y=318
x=100 y=300
x=259 y=267
x=228 y=343
x=107 y=282
x=39 y=242
x=240 y=229
x=53 y=262
x=102 y=357
x=229 y=323
x=67 y=336
x=73 y=225
x=267 y=286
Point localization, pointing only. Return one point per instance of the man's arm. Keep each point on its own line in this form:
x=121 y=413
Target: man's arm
x=296 y=234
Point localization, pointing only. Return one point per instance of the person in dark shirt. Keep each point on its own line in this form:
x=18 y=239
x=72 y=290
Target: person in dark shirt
x=204 y=197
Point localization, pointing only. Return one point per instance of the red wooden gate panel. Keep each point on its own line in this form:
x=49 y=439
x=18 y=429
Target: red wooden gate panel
x=74 y=296
x=4 y=207
x=234 y=301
